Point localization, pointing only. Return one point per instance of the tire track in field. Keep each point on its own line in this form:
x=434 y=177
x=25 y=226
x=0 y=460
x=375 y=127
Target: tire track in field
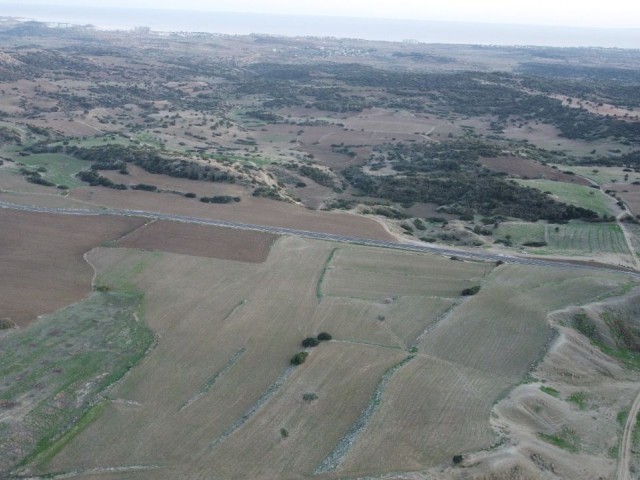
x=208 y=385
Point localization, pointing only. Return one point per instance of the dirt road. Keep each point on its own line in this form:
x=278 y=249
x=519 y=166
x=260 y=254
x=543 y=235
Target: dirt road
x=622 y=470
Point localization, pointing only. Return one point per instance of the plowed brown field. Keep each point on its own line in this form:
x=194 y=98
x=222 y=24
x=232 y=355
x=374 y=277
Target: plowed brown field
x=42 y=268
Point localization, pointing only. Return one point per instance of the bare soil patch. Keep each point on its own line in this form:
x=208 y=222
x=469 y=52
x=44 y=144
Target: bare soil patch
x=201 y=241
x=525 y=168
x=42 y=268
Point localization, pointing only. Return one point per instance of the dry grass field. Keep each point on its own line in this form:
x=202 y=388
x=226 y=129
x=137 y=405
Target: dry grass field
x=41 y=259
x=409 y=379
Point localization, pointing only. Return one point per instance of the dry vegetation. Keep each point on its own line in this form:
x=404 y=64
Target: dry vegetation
x=415 y=368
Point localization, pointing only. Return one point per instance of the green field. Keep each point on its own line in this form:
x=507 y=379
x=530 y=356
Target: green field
x=572 y=194
x=573 y=238
x=60 y=168
x=603 y=175
x=55 y=370
x=519 y=233
x=587 y=237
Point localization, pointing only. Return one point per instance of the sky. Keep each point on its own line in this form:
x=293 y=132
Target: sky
x=585 y=13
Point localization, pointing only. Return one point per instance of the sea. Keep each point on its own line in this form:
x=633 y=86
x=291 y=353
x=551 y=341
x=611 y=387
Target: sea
x=422 y=31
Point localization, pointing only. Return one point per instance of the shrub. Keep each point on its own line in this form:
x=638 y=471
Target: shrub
x=309 y=397
x=310 y=342
x=324 y=336
x=470 y=291
x=535 y=244
x=190 y=195
x=457 y=459
x=284 y=433
x=299 y=358
x=6 y=324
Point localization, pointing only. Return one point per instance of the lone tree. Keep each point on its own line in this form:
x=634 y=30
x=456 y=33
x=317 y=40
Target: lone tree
x=324 y=336
x=470 y=291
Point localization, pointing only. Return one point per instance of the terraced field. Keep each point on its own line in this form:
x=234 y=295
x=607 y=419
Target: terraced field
x=414 y=367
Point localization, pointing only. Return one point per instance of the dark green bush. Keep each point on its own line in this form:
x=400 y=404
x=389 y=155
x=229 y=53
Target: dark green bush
x=470 y=291
x=324 y=336
x=299 y=358
x=310 y=342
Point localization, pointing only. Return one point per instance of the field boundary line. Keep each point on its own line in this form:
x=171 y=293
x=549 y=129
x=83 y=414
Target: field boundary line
x=323 y=272
x=208 y=385
x=439 y=320
x=369 y=344
x=255 y=407
x=91 y=471
x=332 y=461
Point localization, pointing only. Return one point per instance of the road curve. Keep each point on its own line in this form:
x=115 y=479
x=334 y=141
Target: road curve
x=313 y=235
x=622 y=469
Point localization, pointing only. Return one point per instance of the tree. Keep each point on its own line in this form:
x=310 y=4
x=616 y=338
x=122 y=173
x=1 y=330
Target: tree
x=299 y=358
x=324 y=336
x=310 y=342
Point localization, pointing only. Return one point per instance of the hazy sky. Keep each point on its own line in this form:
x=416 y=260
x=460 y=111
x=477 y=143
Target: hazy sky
x=591 y=13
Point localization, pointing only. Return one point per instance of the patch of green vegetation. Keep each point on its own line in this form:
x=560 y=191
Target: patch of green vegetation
x=621 y=417
x=567 y=439
x=299 y=358
x=635 y=434
x=58 y=168
x=519 y=233
x=580 y=399
x=602 y=175
x=626 y=336
x=60 y=365
x=96 y=141
x=43 y=453
x=582 y=323
x=573 y=194
x=150 y=139
x=614 y=451
x=587 y=237
x=323 y=273
x=550 y=391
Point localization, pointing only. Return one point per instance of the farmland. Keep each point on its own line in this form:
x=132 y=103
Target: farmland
x=163 y=348
x=392 y=343
x=42 y=262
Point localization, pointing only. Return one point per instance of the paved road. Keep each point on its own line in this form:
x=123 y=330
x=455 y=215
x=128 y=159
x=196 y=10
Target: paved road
x=473 y=255
x=622 y=469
